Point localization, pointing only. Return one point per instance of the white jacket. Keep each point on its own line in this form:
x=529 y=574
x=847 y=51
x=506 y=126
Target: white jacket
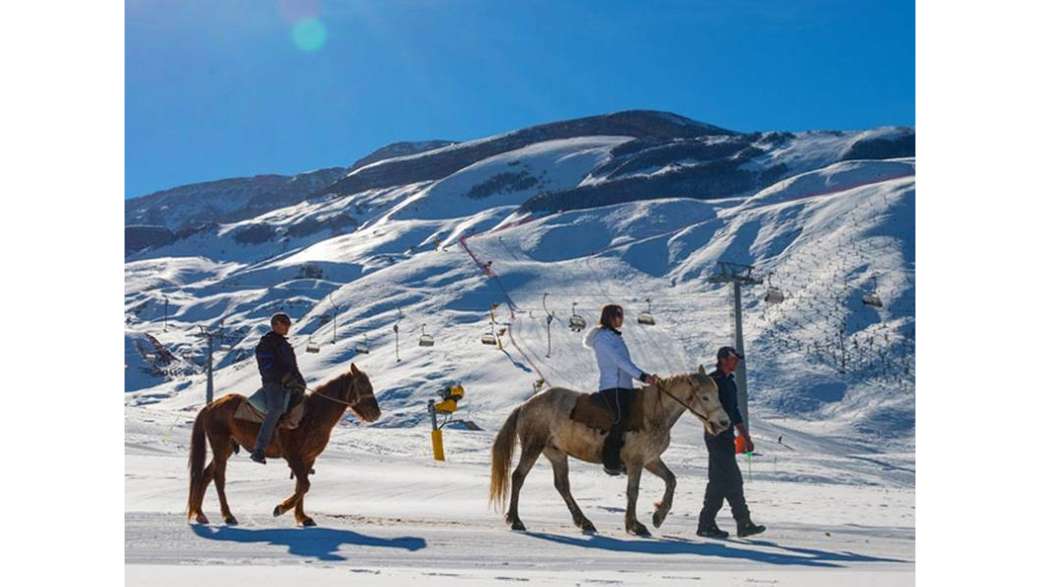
x=616 y=368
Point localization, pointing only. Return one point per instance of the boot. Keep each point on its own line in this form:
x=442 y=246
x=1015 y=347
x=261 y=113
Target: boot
x=257 y=456
x=612 y=461
x=612 y=453
x=749 y=528
x=712 y=531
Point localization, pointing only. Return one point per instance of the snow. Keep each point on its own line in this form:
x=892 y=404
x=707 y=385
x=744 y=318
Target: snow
x=837 y=494
x=387 y=512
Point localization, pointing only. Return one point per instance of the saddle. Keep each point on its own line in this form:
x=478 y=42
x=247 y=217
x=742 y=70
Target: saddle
x=255 y=408
x=591 y=410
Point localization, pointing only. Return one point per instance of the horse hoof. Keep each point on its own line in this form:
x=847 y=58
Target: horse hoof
x=587 y=528
x=278 y=511
x=659 y=516
x=201 y=518
x=518 y=526
x=307 y=522
x=231 y=521
x=639 y=530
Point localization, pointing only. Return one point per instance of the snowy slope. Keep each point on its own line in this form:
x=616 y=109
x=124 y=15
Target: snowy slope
x=829 y=375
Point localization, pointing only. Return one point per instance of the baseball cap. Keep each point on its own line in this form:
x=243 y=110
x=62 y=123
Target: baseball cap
x=728 y=351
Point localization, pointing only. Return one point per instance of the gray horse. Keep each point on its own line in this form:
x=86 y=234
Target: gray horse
x=544 y=425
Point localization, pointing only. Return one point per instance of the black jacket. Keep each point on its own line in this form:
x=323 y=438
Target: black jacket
x=728 y=396
x=276 y=359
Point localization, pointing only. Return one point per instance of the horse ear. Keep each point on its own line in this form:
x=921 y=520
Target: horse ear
x=354 y=369
x=701 y=370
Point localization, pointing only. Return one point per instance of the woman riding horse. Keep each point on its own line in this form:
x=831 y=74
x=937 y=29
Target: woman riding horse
x=616 y=371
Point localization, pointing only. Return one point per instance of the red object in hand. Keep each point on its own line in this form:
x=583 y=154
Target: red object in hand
x=741 y=444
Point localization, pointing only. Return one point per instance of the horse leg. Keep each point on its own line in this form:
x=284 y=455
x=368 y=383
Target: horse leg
x=657 y=467
x=563 y=484
x=221 y=452
x=528 y=455
x=632 y=525
x=207 y=476
x=302 y=485
x=303 y=519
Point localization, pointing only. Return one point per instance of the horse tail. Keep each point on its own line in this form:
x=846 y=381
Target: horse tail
x=501 y=459
x=197 y=459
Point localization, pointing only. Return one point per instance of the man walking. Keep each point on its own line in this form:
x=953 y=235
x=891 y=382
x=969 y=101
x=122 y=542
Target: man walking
x=280 y=377
x=724 y=478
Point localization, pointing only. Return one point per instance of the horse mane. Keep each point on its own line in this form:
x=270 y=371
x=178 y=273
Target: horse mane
x=324 y=388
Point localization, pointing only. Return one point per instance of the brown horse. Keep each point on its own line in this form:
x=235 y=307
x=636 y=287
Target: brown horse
x=323 y=408
x=544 y=426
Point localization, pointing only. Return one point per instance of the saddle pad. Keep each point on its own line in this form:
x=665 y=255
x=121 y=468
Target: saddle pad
x=591 y=410
x=254 y=409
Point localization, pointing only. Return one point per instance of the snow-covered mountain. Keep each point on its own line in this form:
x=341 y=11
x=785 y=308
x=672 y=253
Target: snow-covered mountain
x=620 y=208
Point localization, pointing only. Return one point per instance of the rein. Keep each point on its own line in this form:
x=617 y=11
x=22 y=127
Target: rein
x=684 y=404
x=339 y=401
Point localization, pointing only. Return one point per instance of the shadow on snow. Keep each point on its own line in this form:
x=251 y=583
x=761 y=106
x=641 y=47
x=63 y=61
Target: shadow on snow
x=320 y=543
x=675 y=545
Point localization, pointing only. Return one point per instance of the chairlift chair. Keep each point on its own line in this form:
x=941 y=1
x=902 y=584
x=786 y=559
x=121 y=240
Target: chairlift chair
x=489 y=339
x=773 y=294
x=646 y=317
x=872 y=298
x=576 y=322
x=311 y=347
x=361 y=348
x=425 y=339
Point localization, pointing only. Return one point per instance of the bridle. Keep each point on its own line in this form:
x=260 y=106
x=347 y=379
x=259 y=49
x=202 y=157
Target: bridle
x=684 y=404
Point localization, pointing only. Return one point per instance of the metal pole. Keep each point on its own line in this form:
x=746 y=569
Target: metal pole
x=166 y=305
x=209 y=370
x=742 y=396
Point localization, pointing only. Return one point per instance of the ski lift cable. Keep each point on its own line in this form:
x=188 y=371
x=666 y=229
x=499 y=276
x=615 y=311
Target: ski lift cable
x=604 y=288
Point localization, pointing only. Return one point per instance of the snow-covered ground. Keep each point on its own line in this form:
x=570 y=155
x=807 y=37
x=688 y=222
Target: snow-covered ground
x=388 y=513
x=830 y=378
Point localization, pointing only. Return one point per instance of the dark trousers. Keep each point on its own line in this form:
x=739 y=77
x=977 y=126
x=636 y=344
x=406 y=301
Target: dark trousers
x=724 y=481
x=275 y=396
x=617 y=400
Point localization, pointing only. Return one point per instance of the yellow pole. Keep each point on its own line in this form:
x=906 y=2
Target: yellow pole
x=438 y=445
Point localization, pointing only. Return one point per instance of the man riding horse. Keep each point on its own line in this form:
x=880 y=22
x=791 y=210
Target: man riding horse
x=280 y=377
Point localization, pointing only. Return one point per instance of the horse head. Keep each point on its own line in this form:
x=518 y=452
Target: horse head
x=701 y=397
x=356 y=391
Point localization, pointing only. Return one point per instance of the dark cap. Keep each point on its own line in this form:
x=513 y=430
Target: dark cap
x=728 y=351
x=280 y=317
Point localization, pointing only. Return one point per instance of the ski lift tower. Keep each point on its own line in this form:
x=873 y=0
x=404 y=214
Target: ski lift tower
x=739 y=275
x=209 y=335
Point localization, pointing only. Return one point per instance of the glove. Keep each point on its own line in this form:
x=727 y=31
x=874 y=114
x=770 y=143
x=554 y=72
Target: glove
x=293 y=383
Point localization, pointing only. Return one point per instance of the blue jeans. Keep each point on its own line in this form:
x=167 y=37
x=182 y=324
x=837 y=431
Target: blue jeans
x=275 y=396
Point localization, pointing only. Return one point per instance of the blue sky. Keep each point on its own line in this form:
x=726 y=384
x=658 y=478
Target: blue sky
x=241 y=87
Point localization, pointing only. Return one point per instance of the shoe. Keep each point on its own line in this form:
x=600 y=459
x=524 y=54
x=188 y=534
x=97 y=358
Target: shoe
x=258 y=457
x=712 y=531
x=749 y=528
x=613 y=472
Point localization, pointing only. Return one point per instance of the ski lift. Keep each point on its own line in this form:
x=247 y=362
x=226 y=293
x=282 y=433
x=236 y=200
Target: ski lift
x=362 y=348
x=489 y=337
x=425 y=339
x=872 y=298
x=576 y=322
x=646 y=317
x=311 y=347
x=773 y=294
x=397 y=335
